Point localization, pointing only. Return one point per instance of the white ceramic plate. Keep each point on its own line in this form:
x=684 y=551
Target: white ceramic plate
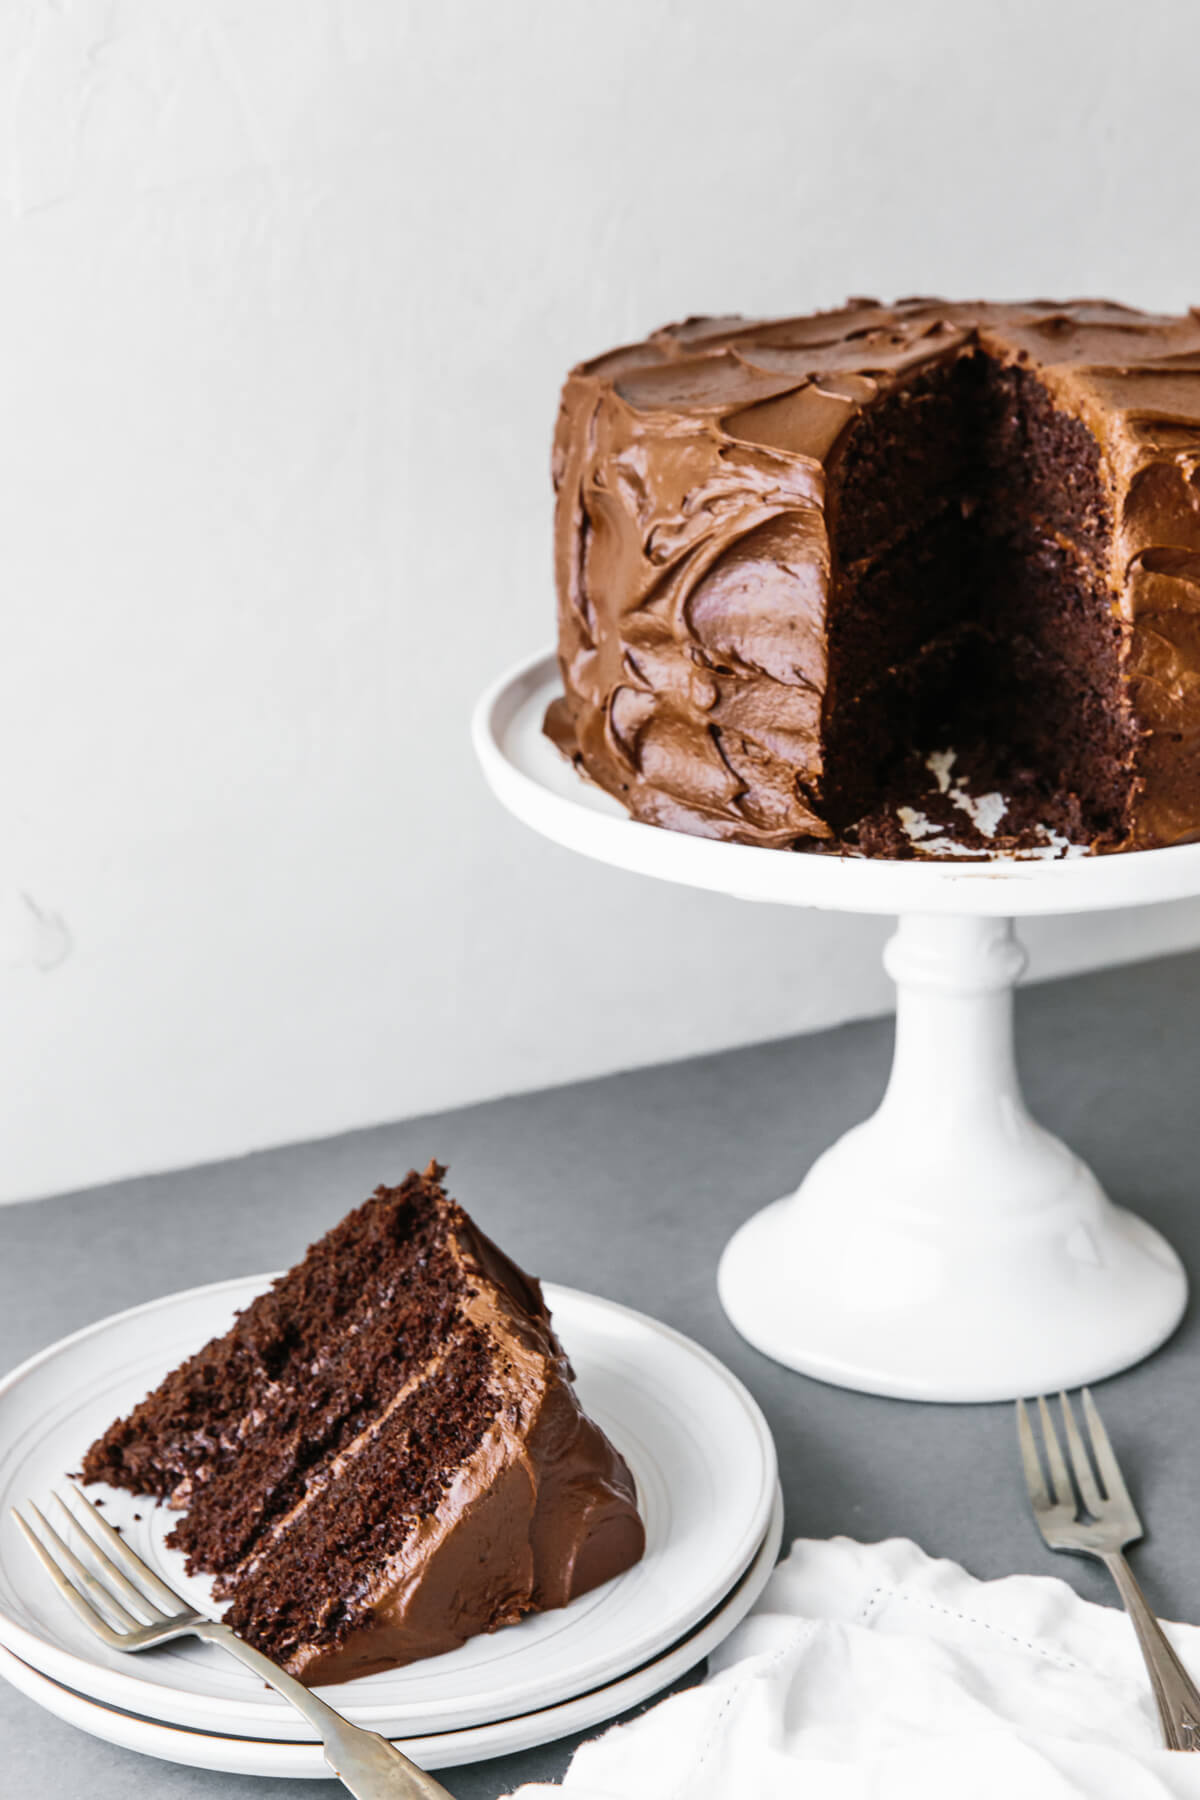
x=254 y=1756
x=698 y=1445
x=536 y=784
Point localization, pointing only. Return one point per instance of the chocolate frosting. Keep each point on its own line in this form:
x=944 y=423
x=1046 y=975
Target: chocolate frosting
x=544 y=1510
x=527 y=1506
x=693 y=545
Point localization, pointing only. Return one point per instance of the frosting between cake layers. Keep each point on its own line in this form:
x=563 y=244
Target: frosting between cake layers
x=694 y=561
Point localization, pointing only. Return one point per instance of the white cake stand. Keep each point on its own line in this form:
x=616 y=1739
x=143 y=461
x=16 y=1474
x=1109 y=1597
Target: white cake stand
x=948 y=1248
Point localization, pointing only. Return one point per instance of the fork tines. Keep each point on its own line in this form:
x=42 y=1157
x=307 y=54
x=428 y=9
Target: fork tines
x=118 y=1596
x=1087 y=1477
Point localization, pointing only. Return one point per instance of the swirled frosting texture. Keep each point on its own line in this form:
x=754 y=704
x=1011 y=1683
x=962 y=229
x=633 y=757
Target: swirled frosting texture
x=695 y=474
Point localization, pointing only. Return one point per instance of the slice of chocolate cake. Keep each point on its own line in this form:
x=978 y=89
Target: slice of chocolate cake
x=384 y=1455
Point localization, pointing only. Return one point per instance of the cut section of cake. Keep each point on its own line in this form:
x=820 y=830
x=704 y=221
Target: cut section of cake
x=385 y=1454
x=878 y=579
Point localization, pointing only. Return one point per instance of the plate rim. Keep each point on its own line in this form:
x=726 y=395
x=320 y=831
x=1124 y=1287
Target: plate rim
x=78 y=1673
x=834 y=882
x=446 y=1749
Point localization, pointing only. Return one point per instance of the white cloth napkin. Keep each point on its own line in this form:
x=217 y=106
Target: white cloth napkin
x=874 y=1672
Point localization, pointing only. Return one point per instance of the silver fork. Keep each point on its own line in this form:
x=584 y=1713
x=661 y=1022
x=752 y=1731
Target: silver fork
x=129 y=1608
x=1110 y=1522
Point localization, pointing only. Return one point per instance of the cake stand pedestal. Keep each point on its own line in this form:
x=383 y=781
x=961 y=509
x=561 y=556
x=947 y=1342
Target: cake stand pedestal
x=948 y=1248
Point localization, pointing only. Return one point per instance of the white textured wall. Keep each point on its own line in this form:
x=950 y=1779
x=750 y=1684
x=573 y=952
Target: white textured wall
x=286 y=291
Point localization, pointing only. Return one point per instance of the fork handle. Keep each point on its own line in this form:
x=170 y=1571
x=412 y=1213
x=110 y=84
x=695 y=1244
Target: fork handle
x=1175 y=1696
x=365 y=1763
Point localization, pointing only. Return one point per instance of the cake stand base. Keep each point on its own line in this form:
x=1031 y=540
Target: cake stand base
x=949 y=1248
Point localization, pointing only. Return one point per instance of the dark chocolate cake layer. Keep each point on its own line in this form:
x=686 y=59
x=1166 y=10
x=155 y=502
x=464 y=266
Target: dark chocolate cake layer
x=385 y=1454
x=807 y=566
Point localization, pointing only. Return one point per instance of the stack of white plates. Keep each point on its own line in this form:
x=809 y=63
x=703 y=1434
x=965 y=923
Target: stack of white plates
x=701 y=1454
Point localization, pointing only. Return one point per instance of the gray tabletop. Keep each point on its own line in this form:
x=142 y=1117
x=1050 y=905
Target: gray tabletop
x=630 y=1187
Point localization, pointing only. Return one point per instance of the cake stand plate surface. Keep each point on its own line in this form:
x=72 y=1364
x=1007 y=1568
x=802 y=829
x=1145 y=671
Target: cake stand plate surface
x=699 y=1448
x=948 y=1248
x=543 y=790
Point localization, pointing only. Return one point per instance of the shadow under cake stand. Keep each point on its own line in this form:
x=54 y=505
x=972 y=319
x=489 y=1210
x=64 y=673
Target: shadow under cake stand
x=948 y=1248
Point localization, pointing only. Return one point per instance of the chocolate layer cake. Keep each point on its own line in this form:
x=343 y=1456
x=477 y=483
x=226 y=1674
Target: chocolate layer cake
x=894 y=579
x=384 y=1455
